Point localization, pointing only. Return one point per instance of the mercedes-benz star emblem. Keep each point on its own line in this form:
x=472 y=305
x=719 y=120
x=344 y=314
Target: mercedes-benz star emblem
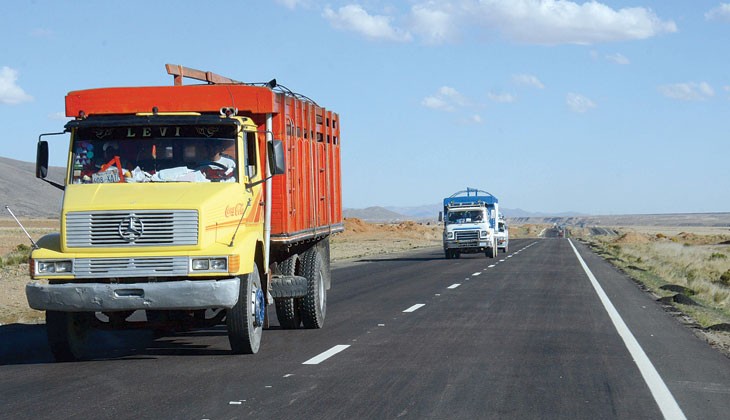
x=131 y=228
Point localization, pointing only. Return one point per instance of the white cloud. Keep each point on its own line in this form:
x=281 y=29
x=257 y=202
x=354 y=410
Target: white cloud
x=617 y=58
x=476 y=119
x=434 y=102
x=689 y=91
x=435 y=25
x=354 y=18
x=10 y=92
x=552 y=22
x=527 y=80
x=446 y=99
x=58 y=116
x=720 y=13
x=579 y=103
x=502 y=97
x=291 y=4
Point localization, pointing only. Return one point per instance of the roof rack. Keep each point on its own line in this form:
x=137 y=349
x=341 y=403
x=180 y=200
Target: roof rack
x=179 y=72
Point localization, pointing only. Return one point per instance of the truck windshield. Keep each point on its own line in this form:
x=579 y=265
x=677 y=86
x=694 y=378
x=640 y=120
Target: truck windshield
x=465 y=216
x=156 y=154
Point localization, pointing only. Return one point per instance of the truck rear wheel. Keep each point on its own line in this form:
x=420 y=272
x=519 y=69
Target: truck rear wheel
x=287 y=309
x=245 y=320
x=314 y=304
x=67 y=334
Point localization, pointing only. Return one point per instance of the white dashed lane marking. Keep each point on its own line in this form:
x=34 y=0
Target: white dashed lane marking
x=415 y=307
x=326 y=355
x=454 y=286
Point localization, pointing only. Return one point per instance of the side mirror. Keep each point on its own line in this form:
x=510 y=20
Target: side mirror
x=441 y=216
x=41 y=160
x=275 y=156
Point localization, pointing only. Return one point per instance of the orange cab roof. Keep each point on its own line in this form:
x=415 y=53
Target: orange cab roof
x=189 y=98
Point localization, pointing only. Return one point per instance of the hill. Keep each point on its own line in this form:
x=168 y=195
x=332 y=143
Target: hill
x=374 y=214
x=26 y=195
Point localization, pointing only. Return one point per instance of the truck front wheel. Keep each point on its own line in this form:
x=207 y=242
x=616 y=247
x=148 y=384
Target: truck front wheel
x=245 y=320
x=67 y=334
x=492 y=251
x=314 y=304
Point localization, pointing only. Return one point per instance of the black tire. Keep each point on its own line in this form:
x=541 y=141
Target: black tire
x=492 y=252
x=448 y=254
x=245 y=320
x=287 y=309
x=314 y=304
x=67 y=334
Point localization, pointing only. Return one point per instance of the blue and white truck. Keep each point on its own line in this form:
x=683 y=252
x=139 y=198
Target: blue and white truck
x=502 y=234
x=470 y=223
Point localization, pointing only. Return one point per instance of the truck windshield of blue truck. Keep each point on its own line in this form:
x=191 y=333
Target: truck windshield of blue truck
x=129 y=154
x=465 y=216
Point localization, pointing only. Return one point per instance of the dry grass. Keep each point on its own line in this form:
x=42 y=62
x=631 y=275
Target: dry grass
x=697 y=261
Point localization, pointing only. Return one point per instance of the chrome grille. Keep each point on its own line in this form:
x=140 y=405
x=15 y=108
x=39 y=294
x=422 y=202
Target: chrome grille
x=467 y=235
x=131 y=267
x=157 y=228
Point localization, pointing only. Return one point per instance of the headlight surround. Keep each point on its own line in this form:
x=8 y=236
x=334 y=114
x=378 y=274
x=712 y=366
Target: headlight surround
x=54 y=267
x=449 y=235
x=218 y=264
x=483 y=233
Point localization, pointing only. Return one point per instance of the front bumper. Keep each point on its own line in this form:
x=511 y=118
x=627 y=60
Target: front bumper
x=467 y=245
x=169 y=295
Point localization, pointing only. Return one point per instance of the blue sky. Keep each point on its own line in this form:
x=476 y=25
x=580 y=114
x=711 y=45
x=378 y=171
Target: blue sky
x=608 y=107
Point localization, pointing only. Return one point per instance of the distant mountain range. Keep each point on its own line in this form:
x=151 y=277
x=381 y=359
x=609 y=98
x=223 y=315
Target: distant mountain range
x=29 y=197
x=430 y=212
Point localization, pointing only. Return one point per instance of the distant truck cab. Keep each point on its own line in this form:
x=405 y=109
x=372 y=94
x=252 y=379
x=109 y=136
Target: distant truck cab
x=470 y=220
x=198 y=205
x=502 y=234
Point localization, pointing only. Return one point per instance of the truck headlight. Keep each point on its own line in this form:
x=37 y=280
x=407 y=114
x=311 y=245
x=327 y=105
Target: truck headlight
x=483 y=233
x=201 y=264
x=209 y=264
x=218 y=264
x=55 y=267
x=449 y=235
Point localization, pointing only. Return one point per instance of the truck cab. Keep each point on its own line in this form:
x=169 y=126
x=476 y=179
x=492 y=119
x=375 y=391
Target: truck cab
x=470 y=218
x=502 y=234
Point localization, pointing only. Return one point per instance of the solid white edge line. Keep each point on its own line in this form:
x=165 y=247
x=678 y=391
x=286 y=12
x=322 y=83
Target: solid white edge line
x=663 y=397
x=415 y=307
x=326 y=355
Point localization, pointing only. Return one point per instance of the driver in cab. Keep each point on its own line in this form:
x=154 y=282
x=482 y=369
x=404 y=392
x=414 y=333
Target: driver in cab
x=219 y=167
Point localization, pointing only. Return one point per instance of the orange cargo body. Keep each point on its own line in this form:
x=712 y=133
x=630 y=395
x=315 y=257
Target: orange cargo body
x=307 y=199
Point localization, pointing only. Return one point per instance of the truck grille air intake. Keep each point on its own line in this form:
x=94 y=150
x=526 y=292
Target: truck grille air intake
x=131 y=228
x=467 y=235
x=126 y=267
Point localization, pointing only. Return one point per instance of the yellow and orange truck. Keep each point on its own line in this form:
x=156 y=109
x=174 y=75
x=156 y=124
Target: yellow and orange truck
x=198 y=204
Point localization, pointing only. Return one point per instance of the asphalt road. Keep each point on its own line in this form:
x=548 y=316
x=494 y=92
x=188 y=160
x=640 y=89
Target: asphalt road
x=525 y=335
